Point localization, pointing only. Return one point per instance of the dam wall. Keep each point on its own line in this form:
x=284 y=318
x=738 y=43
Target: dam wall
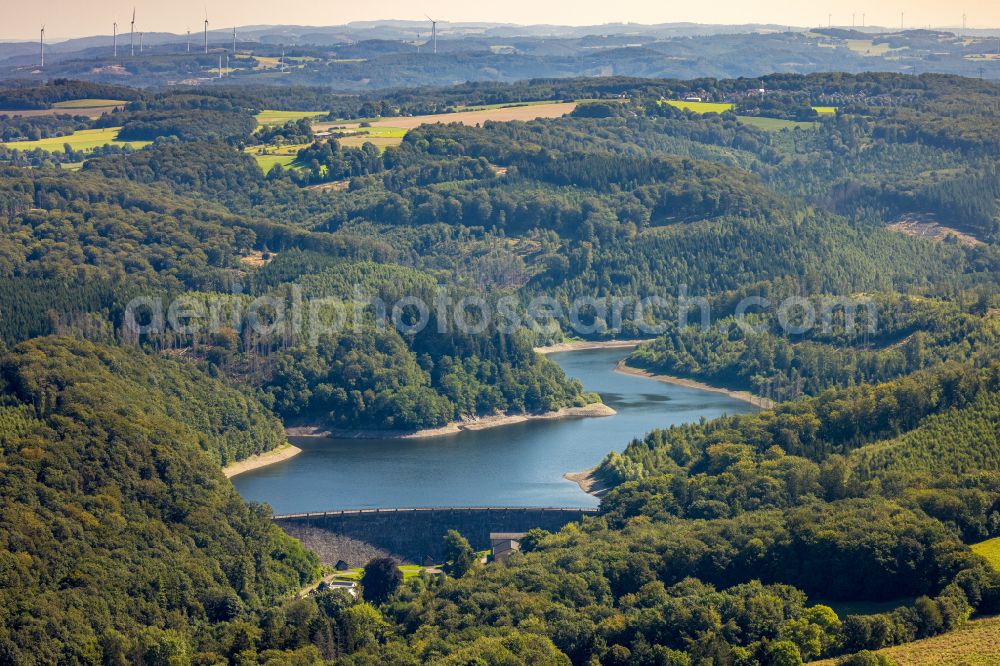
x=416 y=534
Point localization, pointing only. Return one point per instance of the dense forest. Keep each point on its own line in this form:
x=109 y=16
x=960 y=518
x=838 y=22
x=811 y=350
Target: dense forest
x=740 y=541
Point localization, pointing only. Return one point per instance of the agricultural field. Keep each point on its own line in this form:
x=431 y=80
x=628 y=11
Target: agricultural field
x=88 y=111
x=702 y=107
x=867 y=47
x=977 y=643
x=82 y=140
x=273 y=117
x=498 y=114
x=88 y=103
x=490 y=107
x=989 y=549
x=384 y=132
x=266 y=62
x=380 y=136
x=766 y=124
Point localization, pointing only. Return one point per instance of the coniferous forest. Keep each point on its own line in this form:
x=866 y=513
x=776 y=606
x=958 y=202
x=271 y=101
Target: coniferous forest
x=738 y=541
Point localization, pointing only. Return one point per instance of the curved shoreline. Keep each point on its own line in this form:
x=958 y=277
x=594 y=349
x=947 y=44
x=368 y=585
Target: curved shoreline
x=261 y=460
x=581 y=345
x=745 y=396
x=596 y=409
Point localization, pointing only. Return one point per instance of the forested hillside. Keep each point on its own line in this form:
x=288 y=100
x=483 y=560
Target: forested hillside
x=122 y=541
x=166 y=310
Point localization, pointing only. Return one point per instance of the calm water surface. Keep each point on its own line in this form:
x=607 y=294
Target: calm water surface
x=515 y=465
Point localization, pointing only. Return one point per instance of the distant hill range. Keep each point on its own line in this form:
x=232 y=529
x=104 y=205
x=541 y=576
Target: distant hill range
x=387 y=54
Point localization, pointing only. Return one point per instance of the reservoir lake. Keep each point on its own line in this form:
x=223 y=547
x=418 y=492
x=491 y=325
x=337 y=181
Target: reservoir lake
x=514 y=465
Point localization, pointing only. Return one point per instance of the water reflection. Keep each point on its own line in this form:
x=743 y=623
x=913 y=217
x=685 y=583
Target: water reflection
x=516 y=465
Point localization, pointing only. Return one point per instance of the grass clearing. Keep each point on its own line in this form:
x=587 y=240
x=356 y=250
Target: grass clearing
x=976 y=643
x=88 y=103
x=989 y=549
x=502 y=105
x=380 y=136
x=267 y=62
x=775 y=124
x=276 y=117
x=409 y=571
x=82 y=140
x=268 y=156
x=768 y=124
x=866 y=47
x=702 y=107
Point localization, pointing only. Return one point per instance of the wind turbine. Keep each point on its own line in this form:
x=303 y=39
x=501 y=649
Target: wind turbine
x=234 y=40
x=140 y=42
x=41 y=47
x=434 y=32
x=114 y=38
x=206 y=30
x=131 y=34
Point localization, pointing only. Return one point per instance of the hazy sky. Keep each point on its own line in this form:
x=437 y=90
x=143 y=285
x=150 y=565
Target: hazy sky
x=74 y=18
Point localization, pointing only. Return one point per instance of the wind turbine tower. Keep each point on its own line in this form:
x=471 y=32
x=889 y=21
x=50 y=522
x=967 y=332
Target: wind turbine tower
x=41 y=47
x=131 y=34
x=234 y=40
x=206 y=31
x=434 y=33
x=140 y=42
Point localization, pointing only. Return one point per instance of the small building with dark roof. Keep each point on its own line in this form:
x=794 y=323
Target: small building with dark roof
x=504 y=544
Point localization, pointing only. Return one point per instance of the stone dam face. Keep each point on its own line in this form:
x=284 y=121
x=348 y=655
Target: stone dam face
x=415 y=535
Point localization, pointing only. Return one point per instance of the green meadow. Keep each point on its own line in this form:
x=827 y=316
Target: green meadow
x=702 y=107
x=766 y=124
x=990 y=550
x=775 y=124
x=283 y=155
x=275 y=117
x=88 y=103
x=82 y=140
